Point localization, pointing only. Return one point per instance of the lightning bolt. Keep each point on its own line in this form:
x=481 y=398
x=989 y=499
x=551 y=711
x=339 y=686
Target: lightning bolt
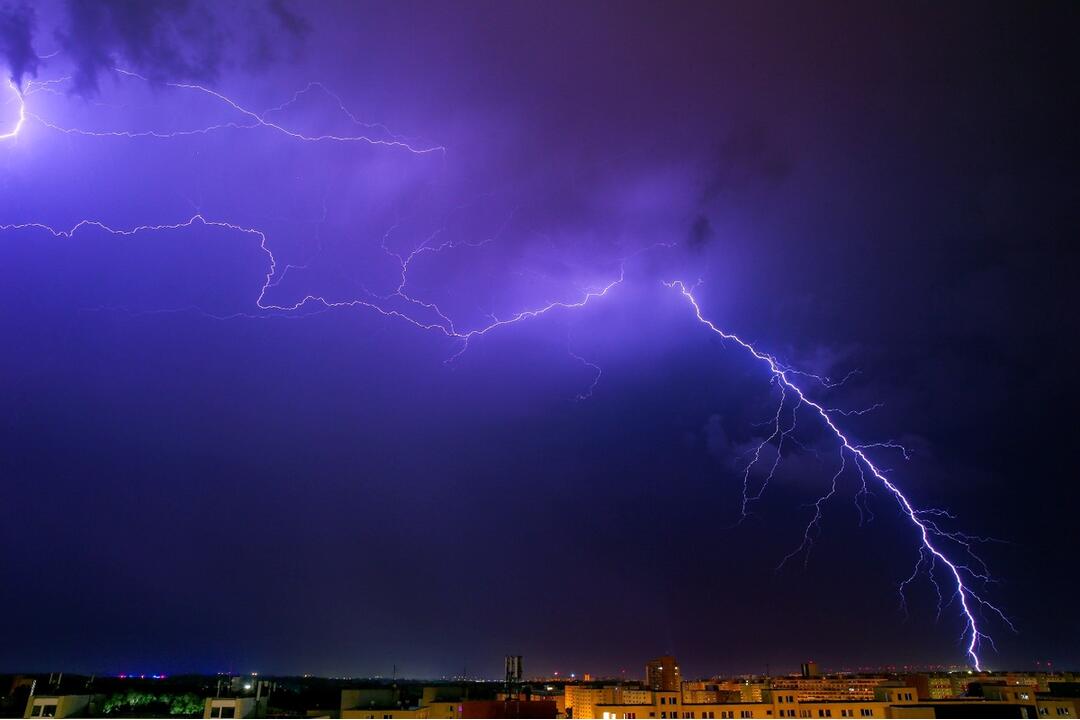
x=929 y=533
x=18 y=98
x=250 y=119
x=441 y=324
x=596 y=370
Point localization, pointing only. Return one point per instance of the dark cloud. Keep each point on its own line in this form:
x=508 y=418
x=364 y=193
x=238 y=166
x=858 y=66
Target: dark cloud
x=156 y=37
x=16 y=41
x=296 y=25
x=172 y=40
x=701 y=232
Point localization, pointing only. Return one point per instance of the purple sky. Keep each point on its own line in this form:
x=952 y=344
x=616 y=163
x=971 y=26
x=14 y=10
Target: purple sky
x=195 y=482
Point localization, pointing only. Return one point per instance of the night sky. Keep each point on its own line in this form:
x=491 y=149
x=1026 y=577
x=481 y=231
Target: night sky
x=194 y=480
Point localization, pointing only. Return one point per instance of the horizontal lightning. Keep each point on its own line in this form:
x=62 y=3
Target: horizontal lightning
x=443 y=325
x=251 y=119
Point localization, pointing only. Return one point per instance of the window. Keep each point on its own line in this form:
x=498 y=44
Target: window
x=663 y=700
x=48 y=710
x=228 y=711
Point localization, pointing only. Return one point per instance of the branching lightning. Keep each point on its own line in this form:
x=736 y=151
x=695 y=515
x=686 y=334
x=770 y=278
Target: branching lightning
x=249 y=119
x=929 y=533
x=441 y=325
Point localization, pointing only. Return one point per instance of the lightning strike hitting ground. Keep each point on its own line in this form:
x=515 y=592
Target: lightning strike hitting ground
x=927 y=530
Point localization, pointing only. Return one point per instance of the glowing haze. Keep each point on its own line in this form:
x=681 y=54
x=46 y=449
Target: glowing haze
x=407 y=316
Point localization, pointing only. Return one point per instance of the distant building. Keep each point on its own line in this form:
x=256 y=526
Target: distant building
x=932 y=687
x=1004 y=692
x=810 y=669
x=439 y=703
x=838 y=687
x=514 y=670
x=509 y=709
x=662 y=674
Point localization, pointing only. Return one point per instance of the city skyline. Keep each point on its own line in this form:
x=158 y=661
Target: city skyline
x=657 y=693
x=354 y=337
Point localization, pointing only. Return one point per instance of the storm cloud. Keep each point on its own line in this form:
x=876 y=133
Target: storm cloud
x=16 y=41
x=174 y=40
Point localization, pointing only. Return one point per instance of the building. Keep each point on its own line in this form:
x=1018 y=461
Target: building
x=662 y=674
x=58 y=706
x=581 y=701
x=891 y=699
x=810 y=669
x=387 y=702
x=894 y=700
x=1058 y=707
x=230 y=707
x=931 y=686
x=836 y=687
x=509 y=709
